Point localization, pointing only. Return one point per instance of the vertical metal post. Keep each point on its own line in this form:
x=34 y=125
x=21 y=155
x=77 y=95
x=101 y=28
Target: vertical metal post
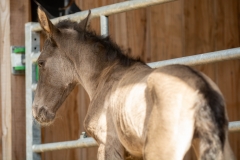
x=104 y=25
x=33 y=134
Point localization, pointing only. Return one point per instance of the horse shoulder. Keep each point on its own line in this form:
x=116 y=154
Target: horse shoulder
x=130 y=109
x=98 y=121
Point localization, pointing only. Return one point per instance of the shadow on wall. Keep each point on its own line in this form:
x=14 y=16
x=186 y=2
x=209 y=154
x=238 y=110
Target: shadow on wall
x=54 y=8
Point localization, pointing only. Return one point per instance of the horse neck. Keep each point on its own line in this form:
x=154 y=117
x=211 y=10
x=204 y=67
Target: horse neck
x=89 y=69
x=95 y=73
x=92 y=70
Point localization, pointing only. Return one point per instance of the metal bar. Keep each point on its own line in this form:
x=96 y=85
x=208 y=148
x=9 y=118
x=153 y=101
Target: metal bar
x=234 y=126
x=90 y=142
x=191 y=60
x=34 y=87
x=29 y=120
x=82 y=142
x=104 y=25
x=204 y=58
x=35 y=56
x=32 y=42
x=106 y=10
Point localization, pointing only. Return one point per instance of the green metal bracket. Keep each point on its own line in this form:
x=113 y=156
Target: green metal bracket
x=20 y=50
x=18 y=60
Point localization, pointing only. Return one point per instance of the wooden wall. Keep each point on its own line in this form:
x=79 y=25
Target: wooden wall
x=171 y=30
x=13 y=16
x=20 y=14
x=176 y=29
x=5 y=84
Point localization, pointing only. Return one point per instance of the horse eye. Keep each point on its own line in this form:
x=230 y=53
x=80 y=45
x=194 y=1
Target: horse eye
x=41 y=63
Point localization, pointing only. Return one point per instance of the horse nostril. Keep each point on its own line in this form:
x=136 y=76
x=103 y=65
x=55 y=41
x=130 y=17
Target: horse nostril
x=43 y=114
x=47 y=114
x=42 y=111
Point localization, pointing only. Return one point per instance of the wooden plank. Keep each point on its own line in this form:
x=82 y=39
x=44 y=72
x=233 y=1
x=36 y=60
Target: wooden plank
x=228 y=72
x=136 y=33
x=165 y=31
x=5 y=80
x=199 y=31
x=20 y=14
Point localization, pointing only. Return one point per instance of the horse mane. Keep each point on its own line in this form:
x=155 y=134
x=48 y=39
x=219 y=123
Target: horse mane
x=113 y=51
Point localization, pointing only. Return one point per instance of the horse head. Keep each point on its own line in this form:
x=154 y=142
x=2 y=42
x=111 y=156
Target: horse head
x=58 y=75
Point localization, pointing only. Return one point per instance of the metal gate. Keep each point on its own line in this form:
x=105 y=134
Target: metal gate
x=32 y=43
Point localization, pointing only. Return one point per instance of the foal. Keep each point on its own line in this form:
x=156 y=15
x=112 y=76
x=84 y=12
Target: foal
x=151 y=113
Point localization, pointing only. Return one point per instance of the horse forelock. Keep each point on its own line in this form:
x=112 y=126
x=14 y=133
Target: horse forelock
x=112 y=51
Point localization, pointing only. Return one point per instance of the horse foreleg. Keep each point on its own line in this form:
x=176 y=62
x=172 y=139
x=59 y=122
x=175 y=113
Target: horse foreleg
x=112 y=151
x=110 y=147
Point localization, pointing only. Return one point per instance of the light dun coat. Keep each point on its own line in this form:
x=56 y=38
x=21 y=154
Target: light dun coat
x=153 y=114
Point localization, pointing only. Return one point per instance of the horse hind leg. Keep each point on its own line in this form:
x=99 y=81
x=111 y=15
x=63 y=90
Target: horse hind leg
x=170 y=125
x=167 y=138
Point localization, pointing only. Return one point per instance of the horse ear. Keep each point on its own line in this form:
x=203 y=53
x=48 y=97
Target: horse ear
x=45 y=23
x=85 y=23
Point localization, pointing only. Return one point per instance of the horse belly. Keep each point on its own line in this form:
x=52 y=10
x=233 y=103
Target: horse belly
x=131 y=120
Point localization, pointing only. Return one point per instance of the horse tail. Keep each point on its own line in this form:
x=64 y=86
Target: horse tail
x=211 y=123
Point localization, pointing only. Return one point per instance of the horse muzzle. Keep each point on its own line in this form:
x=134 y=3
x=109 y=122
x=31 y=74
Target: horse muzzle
x=43 y=115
